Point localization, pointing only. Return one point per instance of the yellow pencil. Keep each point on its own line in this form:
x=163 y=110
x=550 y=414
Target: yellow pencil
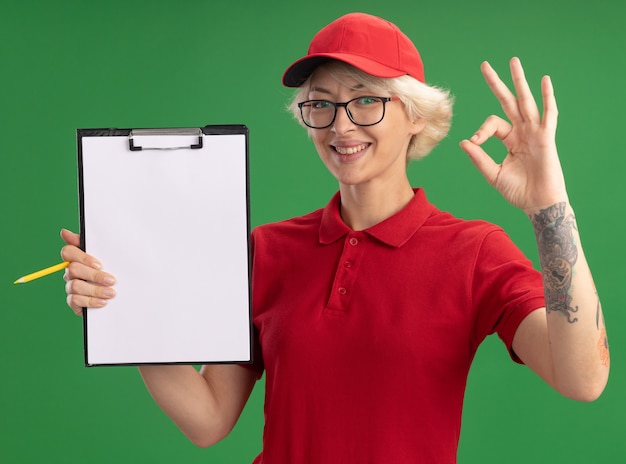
x=43 y=272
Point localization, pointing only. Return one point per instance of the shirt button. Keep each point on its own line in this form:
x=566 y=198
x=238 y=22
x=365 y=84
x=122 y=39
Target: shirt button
x=347 y=264
x=353 y=241
x=342 y=291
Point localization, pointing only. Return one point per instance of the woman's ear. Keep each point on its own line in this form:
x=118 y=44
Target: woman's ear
x=418 y=125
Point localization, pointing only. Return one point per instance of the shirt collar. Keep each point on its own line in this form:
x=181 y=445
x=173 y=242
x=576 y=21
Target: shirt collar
x=394 y=231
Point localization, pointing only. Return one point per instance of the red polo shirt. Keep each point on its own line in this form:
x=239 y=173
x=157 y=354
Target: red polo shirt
x=367 y=337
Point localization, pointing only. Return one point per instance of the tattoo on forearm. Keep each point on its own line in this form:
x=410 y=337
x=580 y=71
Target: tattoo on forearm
x=603 y=346
x=557 y=254
x=603 y=342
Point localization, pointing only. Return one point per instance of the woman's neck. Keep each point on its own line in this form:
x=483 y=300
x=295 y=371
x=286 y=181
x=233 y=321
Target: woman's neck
x=363 y=206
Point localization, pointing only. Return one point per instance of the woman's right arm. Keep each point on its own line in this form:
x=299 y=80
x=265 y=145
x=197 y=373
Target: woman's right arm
x=205 y=405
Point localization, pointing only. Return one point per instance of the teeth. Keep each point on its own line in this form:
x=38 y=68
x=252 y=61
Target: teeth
x=350 y=150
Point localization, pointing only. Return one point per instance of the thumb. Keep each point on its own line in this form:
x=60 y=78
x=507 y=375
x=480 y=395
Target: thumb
x=70 y=237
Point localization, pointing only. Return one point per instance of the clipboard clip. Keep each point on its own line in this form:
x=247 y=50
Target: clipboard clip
x=160 y=132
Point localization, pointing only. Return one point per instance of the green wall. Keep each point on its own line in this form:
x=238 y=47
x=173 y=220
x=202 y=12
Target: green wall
x=80 y=64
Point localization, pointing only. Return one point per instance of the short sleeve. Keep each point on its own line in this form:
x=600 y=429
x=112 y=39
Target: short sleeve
x=505 y=289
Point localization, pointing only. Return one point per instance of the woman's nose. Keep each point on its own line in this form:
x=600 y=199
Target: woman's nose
x=342 y=122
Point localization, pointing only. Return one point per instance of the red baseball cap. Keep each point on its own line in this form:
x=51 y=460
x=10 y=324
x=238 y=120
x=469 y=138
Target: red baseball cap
x=369 y=43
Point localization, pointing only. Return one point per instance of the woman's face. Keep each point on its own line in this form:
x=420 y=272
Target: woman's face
x=361 y=155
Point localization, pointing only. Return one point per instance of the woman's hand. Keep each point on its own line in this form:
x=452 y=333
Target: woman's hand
x=530 y=177
x=87 y=285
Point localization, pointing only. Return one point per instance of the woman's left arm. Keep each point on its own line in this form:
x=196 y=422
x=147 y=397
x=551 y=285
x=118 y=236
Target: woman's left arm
x=565 y=342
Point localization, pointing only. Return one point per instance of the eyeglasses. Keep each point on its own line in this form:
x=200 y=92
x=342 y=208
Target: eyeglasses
x=362 y=111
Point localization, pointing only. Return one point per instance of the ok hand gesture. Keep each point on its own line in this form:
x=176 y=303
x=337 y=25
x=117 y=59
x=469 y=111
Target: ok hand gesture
x=530 y=176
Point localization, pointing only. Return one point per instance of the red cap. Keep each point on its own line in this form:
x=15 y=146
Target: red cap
x=366 y=42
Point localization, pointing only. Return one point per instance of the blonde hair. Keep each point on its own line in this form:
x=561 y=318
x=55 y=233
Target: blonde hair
x=431 y=103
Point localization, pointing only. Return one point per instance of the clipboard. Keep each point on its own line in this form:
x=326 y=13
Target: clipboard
x=167 y=212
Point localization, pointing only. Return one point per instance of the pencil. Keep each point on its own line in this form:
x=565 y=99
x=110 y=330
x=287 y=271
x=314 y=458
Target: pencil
x=43 y=272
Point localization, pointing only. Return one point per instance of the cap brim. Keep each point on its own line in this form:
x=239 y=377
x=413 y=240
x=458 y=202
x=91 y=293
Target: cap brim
x=299 y=71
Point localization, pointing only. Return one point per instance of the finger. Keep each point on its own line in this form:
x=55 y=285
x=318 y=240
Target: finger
x=81 y=294
x=70 y=237
x=78 y=310
x=525 y=100
x=78 y=302
x=73 y=254
x=550 y=110
x=483 y=162
x=89 y=289
x=501 y=91
x=493 y=126
x=80 y=271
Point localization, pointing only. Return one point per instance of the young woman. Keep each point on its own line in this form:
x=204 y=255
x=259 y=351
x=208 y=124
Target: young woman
x=369 y=311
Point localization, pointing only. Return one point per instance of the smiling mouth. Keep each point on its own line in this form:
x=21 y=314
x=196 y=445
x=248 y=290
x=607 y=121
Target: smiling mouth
x=350 y=150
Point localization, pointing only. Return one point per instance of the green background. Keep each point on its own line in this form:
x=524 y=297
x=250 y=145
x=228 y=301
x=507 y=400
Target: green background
x=87 y=64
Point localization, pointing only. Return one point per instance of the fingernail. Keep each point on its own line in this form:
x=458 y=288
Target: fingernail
x=474 y=137
x=98 y=303
x=96 y=265
x=108 y=292
x=108 y=281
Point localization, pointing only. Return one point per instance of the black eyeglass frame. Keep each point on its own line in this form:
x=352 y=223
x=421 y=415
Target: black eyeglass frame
x=345 y=106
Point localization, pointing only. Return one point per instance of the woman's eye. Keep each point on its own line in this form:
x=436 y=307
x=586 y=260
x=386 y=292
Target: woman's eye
x=321 y=104
x=367 y=100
